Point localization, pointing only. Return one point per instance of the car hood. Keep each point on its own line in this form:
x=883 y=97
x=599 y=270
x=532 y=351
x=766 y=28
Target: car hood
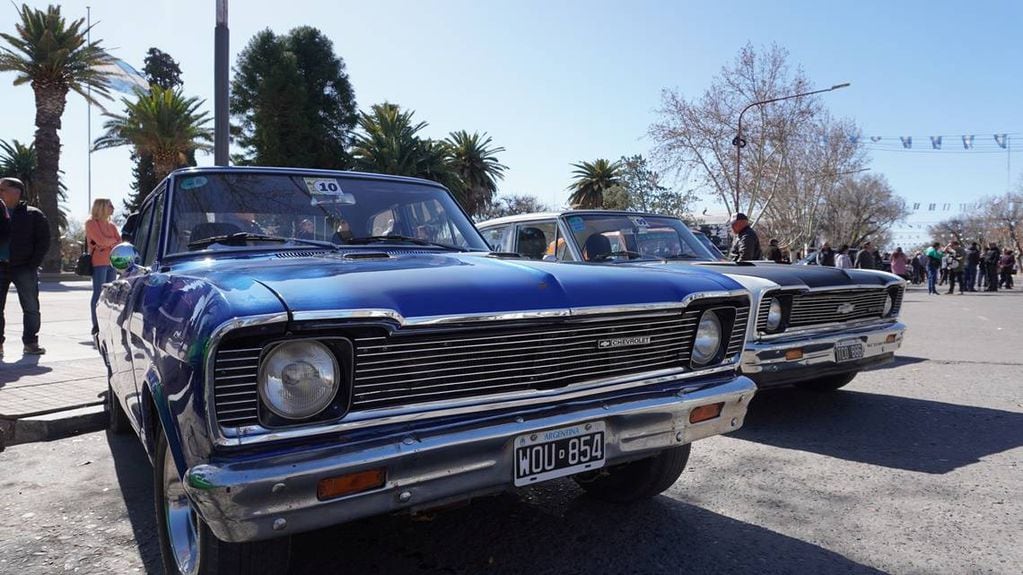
x=425 y=285
x=801 y=277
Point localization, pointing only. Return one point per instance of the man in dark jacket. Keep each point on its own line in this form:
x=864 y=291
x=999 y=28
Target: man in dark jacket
x=826 y=255
x=970 y=271
x=774 y=252
x=865 y=258
x=746 y=245
x=991 y=257
x=29 y=240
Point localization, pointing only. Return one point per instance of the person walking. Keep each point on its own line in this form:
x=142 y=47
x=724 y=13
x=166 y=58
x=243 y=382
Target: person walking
x=29 y=240
x=991 y=257
x=970 y=267
x=746 y=245
x=900 y=263
x=100 y=237
x=934 y=259
x=865 y=258
x=826 y=255
x=842 y=259
x=1005 y=267
x=956 y=262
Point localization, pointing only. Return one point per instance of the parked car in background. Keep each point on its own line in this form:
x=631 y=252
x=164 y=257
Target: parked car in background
x=815 y=327
x=300 y=348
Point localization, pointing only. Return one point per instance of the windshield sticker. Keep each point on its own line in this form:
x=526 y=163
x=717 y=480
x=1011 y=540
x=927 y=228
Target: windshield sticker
x=192 y=183
x=577 y=224
x=327 y=191
x=639 y=222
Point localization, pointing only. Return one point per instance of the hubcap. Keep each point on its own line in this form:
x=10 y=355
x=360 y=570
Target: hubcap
x=181 y=519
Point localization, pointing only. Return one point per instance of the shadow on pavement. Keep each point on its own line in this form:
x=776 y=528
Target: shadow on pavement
x=556 y=529
x=82 y=285
x=135 y=478
x=899 y=361
x=25 y=366
x=896 y=432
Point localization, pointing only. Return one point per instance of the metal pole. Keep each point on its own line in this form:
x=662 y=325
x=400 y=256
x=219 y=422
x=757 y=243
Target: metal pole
x=739 y=142
x=88 y=116
x=220 y=87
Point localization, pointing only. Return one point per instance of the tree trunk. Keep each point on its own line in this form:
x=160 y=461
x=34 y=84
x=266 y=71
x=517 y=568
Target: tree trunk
x=50 y=101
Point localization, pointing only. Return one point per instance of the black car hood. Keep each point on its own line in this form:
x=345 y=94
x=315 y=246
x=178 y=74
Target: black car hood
x=802 y=277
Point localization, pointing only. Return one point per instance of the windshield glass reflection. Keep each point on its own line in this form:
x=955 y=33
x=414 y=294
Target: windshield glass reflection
x=610 y=237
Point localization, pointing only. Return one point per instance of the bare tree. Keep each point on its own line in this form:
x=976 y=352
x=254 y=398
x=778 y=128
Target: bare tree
x=693 y=137
x=861 y=208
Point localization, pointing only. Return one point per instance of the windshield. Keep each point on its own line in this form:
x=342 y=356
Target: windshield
x=226 y=210
x=623 y=237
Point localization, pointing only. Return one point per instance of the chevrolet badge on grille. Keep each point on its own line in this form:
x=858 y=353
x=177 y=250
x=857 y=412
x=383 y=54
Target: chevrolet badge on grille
x=622 y=342
x=845 y=308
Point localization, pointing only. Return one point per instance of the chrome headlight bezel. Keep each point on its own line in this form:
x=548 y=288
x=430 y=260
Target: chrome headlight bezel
x=314 y=354
x=711 y=347
x=889 y=304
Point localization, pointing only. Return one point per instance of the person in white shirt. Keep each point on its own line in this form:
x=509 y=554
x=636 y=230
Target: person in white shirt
x=842 y=259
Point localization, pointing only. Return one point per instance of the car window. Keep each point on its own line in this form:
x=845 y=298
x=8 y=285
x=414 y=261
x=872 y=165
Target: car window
x=152 y=243
x=534 y=240
x=141 y=240
x=629 y=236
x=496 y=237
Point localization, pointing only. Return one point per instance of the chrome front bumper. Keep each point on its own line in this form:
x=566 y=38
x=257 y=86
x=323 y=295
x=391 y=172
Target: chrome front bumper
x=766 y=363
x=249 y=498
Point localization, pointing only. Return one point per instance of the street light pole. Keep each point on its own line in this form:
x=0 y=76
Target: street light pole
x=220 y=86
x=739 y=142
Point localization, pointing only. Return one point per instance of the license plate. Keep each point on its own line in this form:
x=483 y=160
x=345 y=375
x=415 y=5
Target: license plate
x=848 y=351
x=558 y=452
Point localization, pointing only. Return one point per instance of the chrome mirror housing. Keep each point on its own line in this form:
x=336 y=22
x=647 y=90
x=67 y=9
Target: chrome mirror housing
x=123 y=257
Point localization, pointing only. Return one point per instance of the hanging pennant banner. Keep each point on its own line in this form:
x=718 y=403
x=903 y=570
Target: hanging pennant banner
x=907 y=141
x=1001 y=139
x=875 y=139
x=936 y=142
x=967 y=142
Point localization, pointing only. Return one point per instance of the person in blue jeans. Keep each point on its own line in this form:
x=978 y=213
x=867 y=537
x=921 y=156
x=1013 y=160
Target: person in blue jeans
x=21 y=253
x=934 y=258
x=970 y=271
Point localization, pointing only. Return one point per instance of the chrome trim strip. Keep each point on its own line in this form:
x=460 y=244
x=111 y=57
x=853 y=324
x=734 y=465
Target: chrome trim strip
x=475 y=405
x=856 y=286
x=827 y=327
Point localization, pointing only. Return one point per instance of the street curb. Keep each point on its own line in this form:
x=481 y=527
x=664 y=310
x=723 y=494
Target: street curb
x=52 y=426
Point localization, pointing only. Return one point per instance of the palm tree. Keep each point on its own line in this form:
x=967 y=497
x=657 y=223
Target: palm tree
x=161 y=123
x=477 y=167
x=592 y=179
x=18 y=160
x=388 y=142
x=54 y=57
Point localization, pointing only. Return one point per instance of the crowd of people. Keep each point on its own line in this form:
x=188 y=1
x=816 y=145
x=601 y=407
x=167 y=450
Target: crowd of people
x=973 y=268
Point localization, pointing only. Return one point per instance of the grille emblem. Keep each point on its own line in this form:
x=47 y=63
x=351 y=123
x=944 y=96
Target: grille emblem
x=622 y=342
x=845 y=308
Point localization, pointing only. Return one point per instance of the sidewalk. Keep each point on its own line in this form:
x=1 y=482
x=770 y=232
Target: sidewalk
x=60 y=392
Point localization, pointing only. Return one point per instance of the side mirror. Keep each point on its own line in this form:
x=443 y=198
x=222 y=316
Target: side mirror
x=123 y=257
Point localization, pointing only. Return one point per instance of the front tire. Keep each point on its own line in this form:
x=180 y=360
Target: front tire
x=188 y=547
x=636 y=480
x=826 y=384
x=118 y=423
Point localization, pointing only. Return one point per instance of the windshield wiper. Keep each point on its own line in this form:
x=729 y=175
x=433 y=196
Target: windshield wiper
x=397 y=238
x=683 y=257
x=240 y=238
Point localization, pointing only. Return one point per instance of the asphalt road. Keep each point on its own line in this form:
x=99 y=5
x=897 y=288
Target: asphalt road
x=914 y=468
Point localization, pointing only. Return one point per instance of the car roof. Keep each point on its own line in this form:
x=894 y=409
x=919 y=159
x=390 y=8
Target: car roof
x=299 y=172
x=551 y=215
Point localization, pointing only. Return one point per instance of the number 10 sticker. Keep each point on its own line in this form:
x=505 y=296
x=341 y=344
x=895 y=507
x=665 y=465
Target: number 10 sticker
x=323 y=186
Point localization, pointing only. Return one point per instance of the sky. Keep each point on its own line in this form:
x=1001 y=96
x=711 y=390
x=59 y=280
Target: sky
x=558 y=82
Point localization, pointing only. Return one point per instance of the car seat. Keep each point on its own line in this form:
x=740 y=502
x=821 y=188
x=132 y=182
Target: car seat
x=532 y=243
x=597 y=247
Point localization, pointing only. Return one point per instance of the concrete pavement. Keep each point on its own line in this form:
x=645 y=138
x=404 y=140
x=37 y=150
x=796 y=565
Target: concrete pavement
x=61 y=392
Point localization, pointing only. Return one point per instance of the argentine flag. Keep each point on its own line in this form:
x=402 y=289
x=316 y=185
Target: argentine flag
x=122 y=77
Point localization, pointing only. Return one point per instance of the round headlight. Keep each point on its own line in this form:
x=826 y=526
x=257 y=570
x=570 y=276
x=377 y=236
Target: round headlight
x=773 y=316
x=889 y=303
x=298 y=379
x=708 y=338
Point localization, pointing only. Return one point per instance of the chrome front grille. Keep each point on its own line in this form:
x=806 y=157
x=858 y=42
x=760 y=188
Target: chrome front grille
x=817 y=308
x=235 y=394
x=410 y=367
x=763 y=312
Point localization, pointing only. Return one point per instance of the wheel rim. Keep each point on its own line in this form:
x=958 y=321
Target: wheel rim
x=182 y=530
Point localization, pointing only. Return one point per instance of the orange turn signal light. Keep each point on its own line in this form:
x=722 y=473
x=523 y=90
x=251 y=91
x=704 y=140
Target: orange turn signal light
x=705 y=412
x=792 y=354
x=350 y=483
x=891 y=338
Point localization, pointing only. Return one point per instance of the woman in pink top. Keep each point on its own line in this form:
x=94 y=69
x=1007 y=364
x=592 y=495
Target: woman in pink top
x=100 y=236
x=899 y=262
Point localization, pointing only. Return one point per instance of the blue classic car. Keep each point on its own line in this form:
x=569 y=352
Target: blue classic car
x=300 y=348
x=815 y=327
